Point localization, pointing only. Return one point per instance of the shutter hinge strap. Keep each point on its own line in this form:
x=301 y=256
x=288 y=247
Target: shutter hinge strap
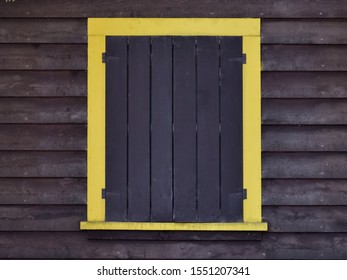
x=103 y=57
x=244 y=58
x=244 y=193
x=103 y=194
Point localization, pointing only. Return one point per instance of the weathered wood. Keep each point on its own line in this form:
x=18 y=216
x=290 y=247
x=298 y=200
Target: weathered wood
x=279 y=31
x=43 y=191
x=304 y=111
x=304 y=192
x=42 y=164
x=304 y=58
x=306 y=218
x=43 y=57
x=139 y=129
x=208 y=143
x=43 y=137
x=64 y=245
x=43 y=83
x=41 y=218
x=304 y=138
x=304 y=165
x=161 y=129
x=43 y=31
x=304 y=85
x=181 y=8
x=116 y=153
x=174 y=235
x=184 y=147
x=43 y=110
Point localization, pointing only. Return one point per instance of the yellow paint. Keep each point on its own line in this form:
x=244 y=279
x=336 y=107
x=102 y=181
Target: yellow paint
x=174 y=226
x=173 y=26
x=98 y=29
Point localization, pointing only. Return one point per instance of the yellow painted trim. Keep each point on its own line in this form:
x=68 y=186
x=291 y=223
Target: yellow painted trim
x=98 y=29
x=174 y=226
x=173 y=26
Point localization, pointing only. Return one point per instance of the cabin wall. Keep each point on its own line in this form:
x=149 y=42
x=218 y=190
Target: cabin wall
x=43 y=124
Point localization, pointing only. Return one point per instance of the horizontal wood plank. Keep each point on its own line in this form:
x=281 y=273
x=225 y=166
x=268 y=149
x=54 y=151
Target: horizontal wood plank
x=43 y=83
x=43 y=57
x=43 y=31
x=65 y=245
x=303 y=31
x=304 y=58
x=304 y=111
x=304 y=85
x=42 y=164
x=306 y=219
x=304 y=138
x=35 y=191
x=304 y=165
x=180 y=8
x=43 y=110
x=43 y=137
x=304 y=192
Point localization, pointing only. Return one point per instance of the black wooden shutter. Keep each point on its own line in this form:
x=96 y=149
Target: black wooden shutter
x=174 y=129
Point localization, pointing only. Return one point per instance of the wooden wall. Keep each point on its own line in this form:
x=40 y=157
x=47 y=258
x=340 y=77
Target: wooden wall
x=43 y=122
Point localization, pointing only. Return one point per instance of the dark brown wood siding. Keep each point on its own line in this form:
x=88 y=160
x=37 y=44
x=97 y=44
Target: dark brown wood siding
x=43 y=121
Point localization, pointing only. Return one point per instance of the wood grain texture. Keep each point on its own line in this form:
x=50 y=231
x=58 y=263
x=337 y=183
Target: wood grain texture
x=306 y=218
x=303 y=31
x=304 y=165
x=43 y=137
x=43 y=83
x=304 y=138
x=42 y=191
x=179 y=8
x=64 y=245
x=42 y=164
x=304 y=192
x=43 y=57
x=43 y=31
x=304 y=111
x=41 y=218
x=304 y=58
x=304 y=85
x=43 y=110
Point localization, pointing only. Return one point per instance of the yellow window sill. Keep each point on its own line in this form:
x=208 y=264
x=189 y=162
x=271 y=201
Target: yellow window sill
x=174 y=226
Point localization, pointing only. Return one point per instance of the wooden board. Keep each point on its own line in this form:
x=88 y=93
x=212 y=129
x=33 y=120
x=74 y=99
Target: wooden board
x=304 y=165
x=304 y=85
x=304 y=58
x=43 y=110
x=43 y=83
x=139 y=129
x=43 y=57
x=304 y=111
x=181 y=8
x=304 y=138
x=208 y=139
x=304 y=192
x=42 y=137
x=42 y=191
x=64 y=245
x=161 y=129
x=43 y=31
x=42 y=164
x=306 y=218
x=184 y=141
x=303 y=31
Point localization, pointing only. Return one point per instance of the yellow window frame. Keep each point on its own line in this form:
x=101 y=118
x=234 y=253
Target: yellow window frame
x=249 y=29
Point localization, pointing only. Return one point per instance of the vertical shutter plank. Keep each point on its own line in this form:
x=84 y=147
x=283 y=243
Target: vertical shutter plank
x=116 y=129
x=184 y=130
x=139 y=122
x=231 y=129
x=161 y=129
x=208 y=129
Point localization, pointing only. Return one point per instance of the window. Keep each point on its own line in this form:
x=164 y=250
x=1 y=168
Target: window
x=174 y=124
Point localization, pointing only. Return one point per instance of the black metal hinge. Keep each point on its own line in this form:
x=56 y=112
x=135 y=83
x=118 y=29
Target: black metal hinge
x=103 y=57
x=244 y=193
x=244 y=58
x=103 y=193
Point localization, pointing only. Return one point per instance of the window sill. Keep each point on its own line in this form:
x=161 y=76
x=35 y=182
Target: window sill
x=174 y=226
